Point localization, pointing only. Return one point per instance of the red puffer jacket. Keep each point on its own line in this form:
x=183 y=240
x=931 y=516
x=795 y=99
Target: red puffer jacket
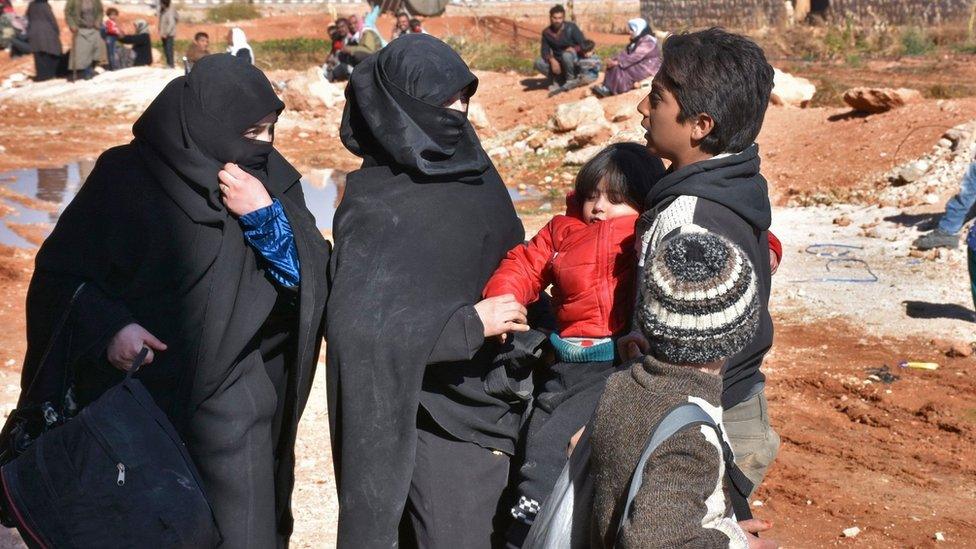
x=591 y=267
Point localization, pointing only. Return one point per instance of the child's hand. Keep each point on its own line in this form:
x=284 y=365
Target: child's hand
x=754 y=526
x=573 y=441
x=501 y=315
x=773 y=263
x=632 y=346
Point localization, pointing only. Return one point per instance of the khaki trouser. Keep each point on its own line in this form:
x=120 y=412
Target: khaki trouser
x=753 y=440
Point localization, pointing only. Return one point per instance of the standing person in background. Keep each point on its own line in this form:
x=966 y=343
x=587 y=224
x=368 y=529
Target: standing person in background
x=43 y=34
x=84 y=18
x=238 y=45
x=141 y=44
x=112 y=33
x=402 y=26
x=971 y=241
x=167 y=29
x=639 y=61
x=561 y=43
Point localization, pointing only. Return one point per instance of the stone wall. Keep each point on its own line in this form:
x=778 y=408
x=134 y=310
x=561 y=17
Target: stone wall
x=751 y=14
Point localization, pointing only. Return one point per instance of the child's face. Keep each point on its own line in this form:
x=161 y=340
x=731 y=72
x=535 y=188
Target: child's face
x=599 y=207
x=666 y=136
x=203 y=42
x=113 y=16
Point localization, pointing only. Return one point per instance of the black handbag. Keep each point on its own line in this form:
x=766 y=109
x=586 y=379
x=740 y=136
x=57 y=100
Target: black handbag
x=115 y=475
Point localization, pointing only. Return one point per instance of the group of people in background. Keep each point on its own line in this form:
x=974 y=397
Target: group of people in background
x=354 y=39
x=568 y=59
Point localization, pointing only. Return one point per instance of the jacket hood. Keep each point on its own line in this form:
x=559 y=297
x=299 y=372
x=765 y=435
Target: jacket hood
x=733 y=181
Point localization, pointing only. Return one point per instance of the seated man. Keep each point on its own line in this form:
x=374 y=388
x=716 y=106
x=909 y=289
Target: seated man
x=561 y=44
x=350 y=50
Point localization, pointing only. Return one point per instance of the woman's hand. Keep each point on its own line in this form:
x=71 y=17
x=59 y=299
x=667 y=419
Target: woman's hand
x=633 y=345
x=573 y=441
x=128 y=343
x=242 y=192
x=501 y=315
x=612 y=63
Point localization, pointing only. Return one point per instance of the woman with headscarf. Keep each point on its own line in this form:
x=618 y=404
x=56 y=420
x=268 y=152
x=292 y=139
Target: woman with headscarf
x=194 y=240
x=639 y=61
x=420 y=449
x=141 y=46
x=238 y=45
x=44 y=37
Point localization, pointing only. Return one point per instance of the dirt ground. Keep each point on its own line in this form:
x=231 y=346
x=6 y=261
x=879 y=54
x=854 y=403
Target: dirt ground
x=894 y=457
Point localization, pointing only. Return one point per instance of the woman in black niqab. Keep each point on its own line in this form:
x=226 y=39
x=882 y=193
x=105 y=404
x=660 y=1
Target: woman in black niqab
x=417 y=443
x=149 y=241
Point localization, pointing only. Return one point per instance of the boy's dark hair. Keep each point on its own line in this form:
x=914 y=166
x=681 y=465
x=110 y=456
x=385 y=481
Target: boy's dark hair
x=558 y=8
x=200 y=35
x=414 y=23
x=629 y=170
x=723 y=75
x=588 y=45
x=111 y=11
x=402 y=14
x=342 y=20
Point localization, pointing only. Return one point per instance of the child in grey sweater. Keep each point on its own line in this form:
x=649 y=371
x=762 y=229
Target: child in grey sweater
x=701 y=307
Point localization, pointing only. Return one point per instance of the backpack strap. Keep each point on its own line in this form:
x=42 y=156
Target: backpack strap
x=680 y=418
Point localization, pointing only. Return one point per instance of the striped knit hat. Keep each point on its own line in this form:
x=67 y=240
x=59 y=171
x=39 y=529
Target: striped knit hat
x=701 y=299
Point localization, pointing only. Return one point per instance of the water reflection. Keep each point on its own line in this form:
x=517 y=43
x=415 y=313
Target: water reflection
x=38 y=196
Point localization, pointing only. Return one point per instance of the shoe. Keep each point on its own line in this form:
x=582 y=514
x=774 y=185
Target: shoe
x=557 y=91
x=573 y=84
x=936 y=239
x=553 y=87
x=601 y=91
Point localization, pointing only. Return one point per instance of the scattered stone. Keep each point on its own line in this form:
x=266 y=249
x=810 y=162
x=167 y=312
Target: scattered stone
x=791 y=90
x=581 y=156
x=586 y=134
x=567 y=176
x=944 y=143
x=627 y=136
x=876 y=100
x=911 y=172
x=537 y=140
x=522 y=187
x=498 y=152
x=871 y=233
x=757 y=503
x=842 y=221
x=931 y=198
x=624 y=113
x=310 y=90
x=10 y=362
x=478 y=116
x=558 y=141
x=569 y=116
x=960 y=349
x=851 y=532
x=303 y=135
x=3 y=150
x=546 y=207
x=939 y=536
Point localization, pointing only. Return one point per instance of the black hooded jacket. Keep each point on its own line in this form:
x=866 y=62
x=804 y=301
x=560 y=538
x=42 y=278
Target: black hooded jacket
x=420 y=229
x=152 y=242
x=726 y=195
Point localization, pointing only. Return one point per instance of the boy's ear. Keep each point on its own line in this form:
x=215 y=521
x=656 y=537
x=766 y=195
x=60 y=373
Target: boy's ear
x=702 y=126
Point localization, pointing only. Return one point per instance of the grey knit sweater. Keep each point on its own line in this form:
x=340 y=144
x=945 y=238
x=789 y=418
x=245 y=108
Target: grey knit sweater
x=682 y=502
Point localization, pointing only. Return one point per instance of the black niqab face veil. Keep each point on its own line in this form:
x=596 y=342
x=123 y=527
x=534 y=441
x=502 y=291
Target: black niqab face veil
x=394 y=110
x=197 y=122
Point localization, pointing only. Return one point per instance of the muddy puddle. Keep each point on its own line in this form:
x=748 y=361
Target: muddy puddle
x=32 y=199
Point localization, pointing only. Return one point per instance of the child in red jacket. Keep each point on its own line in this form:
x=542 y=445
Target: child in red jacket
x=588 y=256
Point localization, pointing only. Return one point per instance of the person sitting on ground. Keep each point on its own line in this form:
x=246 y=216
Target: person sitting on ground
x=593 y=294
x=702 y=306
x=199 y=48
x=402 y=26
x=335 y=69
x=238 y=45
x=353 y=52
x=946 y=233
x=112 y=33
x=141 y=45
x=587 y=69
x=417 y=26
x=704 y=112
x=639 y=61
x=561 y=42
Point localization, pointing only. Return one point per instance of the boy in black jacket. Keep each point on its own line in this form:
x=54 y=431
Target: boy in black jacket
x=704 y=111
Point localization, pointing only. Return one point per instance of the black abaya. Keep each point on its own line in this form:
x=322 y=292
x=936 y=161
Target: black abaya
x=421 y=227
x=153 y=242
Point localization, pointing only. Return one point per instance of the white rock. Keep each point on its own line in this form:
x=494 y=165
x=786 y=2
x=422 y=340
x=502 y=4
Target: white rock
x=931 y=198
x=851 y=532
x=3 y=150
x=791 y=90
x=310 y=89
x=498 y=152
x=939 y=536
x=569 y=116
x=627 y=136
x=586 y=133
x=10 y=362
x=624 y=113
x=582 y=156
x=478 y=116
x=17 y=77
